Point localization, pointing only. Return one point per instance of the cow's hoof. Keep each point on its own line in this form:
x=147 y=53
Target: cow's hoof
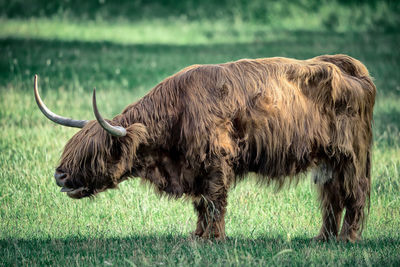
x=206 y=236
x=195 y=235
x=320 y=238
x=324 y=238
x=349 y=238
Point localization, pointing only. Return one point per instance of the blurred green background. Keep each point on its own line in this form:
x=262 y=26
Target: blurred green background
x=124 y=48
x=341 y=15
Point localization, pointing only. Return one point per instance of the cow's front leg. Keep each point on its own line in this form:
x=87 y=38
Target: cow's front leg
x=211 y=205
x=211 y=216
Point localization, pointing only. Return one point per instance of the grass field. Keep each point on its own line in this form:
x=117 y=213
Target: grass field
x=132 y=226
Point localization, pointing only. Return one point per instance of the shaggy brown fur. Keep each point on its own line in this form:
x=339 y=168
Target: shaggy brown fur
x=201 y=129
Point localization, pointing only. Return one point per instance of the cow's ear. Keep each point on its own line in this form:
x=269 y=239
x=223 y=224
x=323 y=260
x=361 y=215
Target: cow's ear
x=138 y=130
x=136 y=134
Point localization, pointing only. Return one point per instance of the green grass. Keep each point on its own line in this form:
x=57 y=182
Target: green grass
x=133 y=226
x=157 y=31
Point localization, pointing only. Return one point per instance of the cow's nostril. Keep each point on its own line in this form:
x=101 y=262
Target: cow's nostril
x=60 y=176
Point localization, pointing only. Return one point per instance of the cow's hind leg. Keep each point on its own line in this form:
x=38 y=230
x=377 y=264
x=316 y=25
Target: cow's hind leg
x=355 y=204
x=331 y=195
x=332 y=208
x=347 y=189
x=356 y=177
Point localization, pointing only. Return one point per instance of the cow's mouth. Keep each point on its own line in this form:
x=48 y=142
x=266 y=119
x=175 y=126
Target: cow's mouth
x=77 y=193
x=76 y=188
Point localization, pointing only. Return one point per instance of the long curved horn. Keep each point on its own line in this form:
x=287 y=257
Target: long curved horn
x=117 y=131
x=54 y=117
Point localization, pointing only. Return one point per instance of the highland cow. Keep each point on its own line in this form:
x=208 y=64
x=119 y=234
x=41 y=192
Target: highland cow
x=203 y=129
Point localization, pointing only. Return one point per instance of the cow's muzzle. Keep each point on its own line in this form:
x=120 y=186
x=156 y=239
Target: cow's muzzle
x=74 y=191
x=61 y=178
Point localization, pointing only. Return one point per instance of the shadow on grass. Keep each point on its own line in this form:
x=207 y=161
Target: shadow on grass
x=173 y=249
x=134 y=65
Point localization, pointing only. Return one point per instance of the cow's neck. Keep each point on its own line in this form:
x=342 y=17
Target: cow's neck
x=158 y=111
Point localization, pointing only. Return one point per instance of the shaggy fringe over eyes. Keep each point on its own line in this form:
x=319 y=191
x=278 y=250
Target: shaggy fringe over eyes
x=89 y=148
x=93 y=153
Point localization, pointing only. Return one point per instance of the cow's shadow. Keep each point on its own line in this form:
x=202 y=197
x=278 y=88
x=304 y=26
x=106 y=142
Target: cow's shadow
x=167 y=249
